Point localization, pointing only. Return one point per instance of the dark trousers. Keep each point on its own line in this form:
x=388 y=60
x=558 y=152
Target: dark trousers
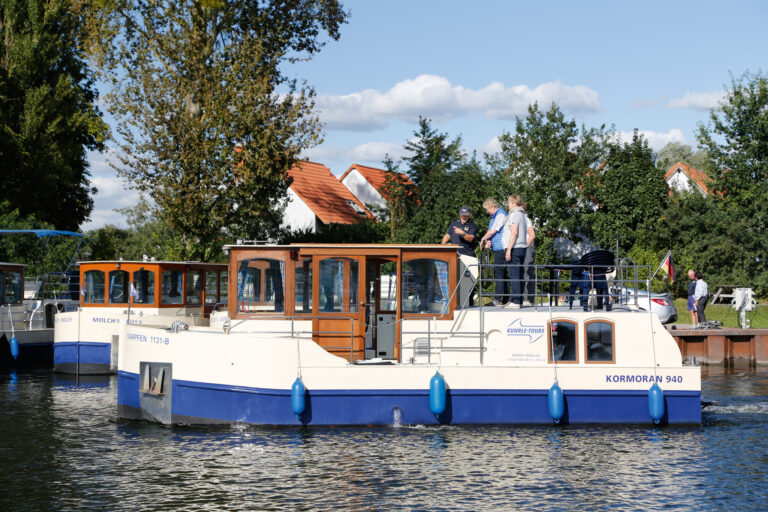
x=529 y=274
x=700 y=309
x=516 y=274
x=500 y=271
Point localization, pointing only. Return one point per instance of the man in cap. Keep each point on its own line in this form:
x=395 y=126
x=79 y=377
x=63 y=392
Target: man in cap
x=462 y=232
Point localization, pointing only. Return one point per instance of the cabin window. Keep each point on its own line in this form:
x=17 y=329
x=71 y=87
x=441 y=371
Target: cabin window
x=303 y=286
x=195 y=287
x=144 y=287
x=562 y=341
x=12 y=292
x=171 y=286
x=211 y=287
x=119 y=287
x=261 y=285
x=223 y=287
x=339 y=285
x=94 y=287
x=599 y=342
x=425 y=286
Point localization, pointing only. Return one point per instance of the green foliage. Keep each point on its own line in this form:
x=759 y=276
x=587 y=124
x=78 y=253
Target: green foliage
x=190 y=80
x=546 y=161
x=446 y=178
x=147 y=234
x=675 y=152
x=49 y=254
x=48 y=113
x=364 y=232
x=629 y=194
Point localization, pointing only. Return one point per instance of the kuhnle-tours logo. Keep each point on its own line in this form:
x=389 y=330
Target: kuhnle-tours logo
x=532 y=333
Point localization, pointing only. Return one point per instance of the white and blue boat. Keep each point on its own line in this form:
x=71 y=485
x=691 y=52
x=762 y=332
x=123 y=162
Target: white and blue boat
x=147 y=292
x=376 y=335
x=28 y=307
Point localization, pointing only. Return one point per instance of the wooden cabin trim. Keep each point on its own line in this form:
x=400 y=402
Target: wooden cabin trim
x=157 y=268
x=613 y=340
x=549 y=339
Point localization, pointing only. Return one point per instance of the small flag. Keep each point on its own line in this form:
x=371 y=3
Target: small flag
x=134 y=292
x=667 y=267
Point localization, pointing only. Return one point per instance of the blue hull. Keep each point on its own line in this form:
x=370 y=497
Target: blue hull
x=85 y=358
x=194 y=402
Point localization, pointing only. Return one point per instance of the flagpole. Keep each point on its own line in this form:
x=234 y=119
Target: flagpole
x=669 y=252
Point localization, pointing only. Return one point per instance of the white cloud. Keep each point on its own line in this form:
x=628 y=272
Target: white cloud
x=435 y=97
x=492 y=146
x=656 y=140
x=698 y=100
x=369 y=153
x=112 y=193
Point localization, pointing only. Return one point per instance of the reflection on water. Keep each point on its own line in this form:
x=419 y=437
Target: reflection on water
x=62 y=448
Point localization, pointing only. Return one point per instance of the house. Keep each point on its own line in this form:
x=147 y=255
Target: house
x=683 y=178
x=369 y=184
x=317 y=198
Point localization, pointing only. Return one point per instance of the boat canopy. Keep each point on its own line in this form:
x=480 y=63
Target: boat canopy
x=41 y=233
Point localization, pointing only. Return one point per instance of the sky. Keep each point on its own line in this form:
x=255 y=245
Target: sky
x=471 y=67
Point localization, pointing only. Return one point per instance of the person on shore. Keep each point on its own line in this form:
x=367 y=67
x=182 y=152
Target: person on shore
x=529 y=272
x=492 y=240
x=515 y=236
x=691 y=306
x=462 y=232
x=700 y=297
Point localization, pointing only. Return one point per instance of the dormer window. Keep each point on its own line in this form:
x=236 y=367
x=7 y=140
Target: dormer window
x=355 y=207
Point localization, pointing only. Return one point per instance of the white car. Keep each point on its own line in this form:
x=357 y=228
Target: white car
x=661 y=303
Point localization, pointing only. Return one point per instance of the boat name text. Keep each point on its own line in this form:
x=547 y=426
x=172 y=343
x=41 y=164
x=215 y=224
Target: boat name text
x=644 y=378
x=159 y=340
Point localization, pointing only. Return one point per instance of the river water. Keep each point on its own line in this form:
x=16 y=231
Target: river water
x=62 y=448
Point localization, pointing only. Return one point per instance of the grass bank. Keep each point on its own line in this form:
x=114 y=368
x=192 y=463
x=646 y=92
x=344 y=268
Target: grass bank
x=725 y=314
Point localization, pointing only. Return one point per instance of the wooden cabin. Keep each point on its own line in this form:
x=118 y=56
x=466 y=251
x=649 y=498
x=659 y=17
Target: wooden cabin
x=355 y=295
x=153 y=284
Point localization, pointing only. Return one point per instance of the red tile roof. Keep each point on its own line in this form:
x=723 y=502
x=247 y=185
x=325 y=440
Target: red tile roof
x=700 y=178
x=325 y=195
x=376 y=177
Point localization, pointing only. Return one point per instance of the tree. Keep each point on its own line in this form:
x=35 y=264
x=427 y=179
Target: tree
x=48 y=113
x=736 y=139
x=191 y=81
x=629 y=194
x=675 y=152
x=546 y=161
x=399 y=193
x=445 y=179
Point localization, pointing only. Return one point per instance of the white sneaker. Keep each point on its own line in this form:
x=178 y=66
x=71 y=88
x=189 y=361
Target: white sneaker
x=527 y=304
x=513 y=305
x=497 y=303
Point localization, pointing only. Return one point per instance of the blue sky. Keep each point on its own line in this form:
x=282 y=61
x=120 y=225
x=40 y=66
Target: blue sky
x=472 y=66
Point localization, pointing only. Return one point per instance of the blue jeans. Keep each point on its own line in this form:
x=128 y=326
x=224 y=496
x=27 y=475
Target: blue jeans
x=500 y=270
x=516 y=274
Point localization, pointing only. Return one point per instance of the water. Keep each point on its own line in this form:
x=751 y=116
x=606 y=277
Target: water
x=62 y=448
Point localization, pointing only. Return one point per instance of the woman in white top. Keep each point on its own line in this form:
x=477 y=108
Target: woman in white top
x=515 y=240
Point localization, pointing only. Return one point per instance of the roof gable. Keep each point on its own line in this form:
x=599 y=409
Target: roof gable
x=699 y=178
x=325 y=195
x=376 y=177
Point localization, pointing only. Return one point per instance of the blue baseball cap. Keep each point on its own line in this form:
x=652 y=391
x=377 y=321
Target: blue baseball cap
x=464 y=210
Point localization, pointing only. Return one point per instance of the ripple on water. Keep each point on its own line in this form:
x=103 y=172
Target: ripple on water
x=61 y=448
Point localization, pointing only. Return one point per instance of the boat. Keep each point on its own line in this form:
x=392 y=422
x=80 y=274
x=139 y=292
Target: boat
x=146 y=292
x=28 y=306
x=322 y=334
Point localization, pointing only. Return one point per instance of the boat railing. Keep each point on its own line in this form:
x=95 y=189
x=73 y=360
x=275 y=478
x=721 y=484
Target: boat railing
x=608 y=286
x=296 y=334
x=54 y=286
